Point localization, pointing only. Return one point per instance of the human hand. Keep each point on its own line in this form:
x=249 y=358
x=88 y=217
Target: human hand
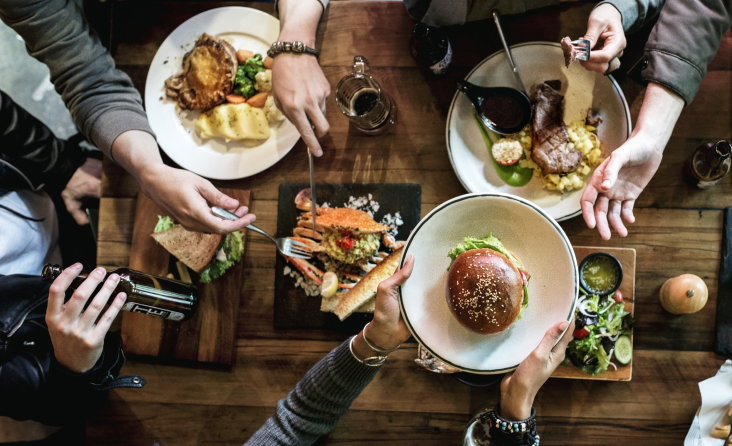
x=618 y=182
x=519 y=387
x=77 y=337
x=607 y=37
x=85 y=183
x=300 y=91
x=188 y=198
x=388 y=329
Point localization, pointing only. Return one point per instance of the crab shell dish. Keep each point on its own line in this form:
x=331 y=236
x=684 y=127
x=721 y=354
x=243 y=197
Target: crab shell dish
x=351 y=237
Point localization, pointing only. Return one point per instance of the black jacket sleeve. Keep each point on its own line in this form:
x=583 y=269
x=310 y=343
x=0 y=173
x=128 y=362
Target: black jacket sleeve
x=30 y=154
x=33 y=385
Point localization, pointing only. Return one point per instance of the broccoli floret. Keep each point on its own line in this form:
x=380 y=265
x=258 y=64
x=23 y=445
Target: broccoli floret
x=253 y=65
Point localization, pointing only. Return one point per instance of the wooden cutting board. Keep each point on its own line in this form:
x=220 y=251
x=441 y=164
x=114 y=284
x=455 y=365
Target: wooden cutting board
x=627 y=288
x=211 y=334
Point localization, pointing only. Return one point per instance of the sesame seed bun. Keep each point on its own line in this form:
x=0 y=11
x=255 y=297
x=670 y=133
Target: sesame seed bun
x=485 y=291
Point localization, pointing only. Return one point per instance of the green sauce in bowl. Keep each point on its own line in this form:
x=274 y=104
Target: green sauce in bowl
x=601 y=273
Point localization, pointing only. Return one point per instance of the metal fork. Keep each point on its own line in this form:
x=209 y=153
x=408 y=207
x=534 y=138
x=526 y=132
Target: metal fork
x=583 y=48
x=288 y=247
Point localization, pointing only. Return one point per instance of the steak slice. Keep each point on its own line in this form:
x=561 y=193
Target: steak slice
x=550 y=149
x=209 y=70
x=570 y=52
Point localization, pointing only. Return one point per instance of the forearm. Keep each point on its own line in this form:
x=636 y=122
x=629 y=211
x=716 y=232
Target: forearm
x=299 y=20
x=137 y=152
x=318 y=402
x=658 y=115
x=102 y=100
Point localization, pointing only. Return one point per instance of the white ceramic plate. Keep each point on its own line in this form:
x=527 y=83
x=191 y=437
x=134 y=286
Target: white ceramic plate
x=175 y=129
x=537 y=62
x=523 y=228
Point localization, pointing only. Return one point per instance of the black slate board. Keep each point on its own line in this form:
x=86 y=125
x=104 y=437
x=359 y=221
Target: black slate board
x=292 y=307
x=724 y=290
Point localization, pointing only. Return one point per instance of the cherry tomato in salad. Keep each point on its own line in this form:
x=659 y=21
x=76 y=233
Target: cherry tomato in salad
x=618 y=296
x=581 y=333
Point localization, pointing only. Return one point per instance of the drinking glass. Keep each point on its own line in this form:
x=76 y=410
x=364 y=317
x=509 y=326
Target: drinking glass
x=361 y=99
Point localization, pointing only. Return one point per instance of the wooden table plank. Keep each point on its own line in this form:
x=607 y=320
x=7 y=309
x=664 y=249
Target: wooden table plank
x=678 y=230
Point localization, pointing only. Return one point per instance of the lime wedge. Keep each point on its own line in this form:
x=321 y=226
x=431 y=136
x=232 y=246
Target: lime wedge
x=330 y=284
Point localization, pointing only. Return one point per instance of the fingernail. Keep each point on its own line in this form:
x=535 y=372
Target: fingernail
x=563 y=326
x=319 y=153
x=76 y=265
x=122 y=296
x=114 y=278
x=231 y=202
x=410 y=257
x=100 y=271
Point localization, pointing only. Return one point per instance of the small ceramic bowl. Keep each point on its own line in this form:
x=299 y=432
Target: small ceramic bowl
x=613 y=260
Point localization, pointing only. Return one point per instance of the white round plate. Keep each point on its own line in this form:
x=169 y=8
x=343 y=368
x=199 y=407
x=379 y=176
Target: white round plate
x=523 y=228
x=175 y=128
x=537 y=62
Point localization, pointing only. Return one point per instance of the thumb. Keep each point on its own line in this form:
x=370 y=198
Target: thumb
x=551 y=337
x=398 y=278
x=614 y=164
x=215 y=197
x=79 y=215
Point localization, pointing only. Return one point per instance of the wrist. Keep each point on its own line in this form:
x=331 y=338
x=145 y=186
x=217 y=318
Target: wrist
x=361 y=349
x=380 y=337
x=516 y=408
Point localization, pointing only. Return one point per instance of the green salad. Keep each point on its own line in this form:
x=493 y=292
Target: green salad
x=492 y=242
x=601 y=333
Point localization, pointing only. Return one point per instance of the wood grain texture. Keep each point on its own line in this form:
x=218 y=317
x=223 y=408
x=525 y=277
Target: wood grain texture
x=207 y=337
x=626 y=256
x=677 y=230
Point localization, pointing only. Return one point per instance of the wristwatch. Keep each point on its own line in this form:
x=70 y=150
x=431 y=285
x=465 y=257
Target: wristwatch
x=291 y=47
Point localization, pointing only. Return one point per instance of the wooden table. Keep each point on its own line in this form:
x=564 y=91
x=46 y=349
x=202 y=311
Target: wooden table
x=678 y=230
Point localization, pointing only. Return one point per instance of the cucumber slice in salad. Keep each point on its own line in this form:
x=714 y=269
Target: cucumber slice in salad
x=623 y=350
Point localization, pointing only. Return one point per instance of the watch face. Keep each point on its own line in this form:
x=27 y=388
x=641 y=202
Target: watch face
x=375 y=360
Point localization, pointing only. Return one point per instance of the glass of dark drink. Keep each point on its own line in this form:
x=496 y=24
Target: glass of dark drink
x=361 y=99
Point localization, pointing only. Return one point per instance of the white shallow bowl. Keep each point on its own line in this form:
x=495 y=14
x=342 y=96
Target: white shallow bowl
x=214 y=158
x=525 y=229
x=537 y=62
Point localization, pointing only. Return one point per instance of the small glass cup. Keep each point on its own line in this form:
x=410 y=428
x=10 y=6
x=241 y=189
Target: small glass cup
x=476 y=431
x=361 y=99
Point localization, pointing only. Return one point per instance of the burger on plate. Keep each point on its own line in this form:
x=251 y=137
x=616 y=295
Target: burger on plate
x=486 y=285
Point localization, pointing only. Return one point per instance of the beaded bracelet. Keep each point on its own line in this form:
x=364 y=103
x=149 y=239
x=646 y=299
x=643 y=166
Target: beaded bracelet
x=500 y=426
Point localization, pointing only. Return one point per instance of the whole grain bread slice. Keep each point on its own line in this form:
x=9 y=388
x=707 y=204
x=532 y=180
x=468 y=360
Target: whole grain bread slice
x=365 y=289
x=195 y=249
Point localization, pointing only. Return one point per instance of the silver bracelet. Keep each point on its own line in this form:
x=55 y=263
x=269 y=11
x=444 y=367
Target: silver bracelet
x=291 y=47
x=373 y=361
x=376 y=349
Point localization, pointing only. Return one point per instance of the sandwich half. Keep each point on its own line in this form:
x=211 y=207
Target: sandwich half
x=210 y=255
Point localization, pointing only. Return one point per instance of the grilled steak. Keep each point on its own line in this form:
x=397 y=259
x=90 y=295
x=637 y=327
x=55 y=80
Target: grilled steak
x=570 y=52
x=208 y=75
x=550 y=150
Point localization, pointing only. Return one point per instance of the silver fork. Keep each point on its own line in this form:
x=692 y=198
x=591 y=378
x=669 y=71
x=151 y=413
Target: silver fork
x=288 y=247
x=583 y=48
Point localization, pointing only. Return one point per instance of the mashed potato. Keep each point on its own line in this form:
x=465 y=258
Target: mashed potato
x=233 y=122
x=583 y=138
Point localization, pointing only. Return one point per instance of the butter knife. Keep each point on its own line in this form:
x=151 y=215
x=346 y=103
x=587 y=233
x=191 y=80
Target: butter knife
x=313 y=205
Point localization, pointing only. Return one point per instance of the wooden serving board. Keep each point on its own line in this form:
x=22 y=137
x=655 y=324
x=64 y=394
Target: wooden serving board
x=627 y=288
x=211 y=334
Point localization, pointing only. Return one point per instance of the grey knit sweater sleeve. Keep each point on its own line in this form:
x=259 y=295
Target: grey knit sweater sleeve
x=102 y=100
x=318 y=401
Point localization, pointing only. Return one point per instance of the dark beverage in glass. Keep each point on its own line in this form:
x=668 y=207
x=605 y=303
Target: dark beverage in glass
x=708 y=164
x=431 y=48
x=146 y=294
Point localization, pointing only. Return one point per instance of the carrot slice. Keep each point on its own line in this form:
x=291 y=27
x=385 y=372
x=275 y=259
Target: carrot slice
x=258 y=100
x=235 y=98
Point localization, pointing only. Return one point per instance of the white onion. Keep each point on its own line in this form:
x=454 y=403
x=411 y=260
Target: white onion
x=610 y=317
x=603 y=330
x=610 y=355
x=614 y=366
x=614 y=338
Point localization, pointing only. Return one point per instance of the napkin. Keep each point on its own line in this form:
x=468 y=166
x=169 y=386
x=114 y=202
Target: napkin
x=716 y=396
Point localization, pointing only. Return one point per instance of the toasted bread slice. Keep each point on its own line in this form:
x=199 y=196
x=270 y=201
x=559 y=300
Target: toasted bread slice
x=329 y=304
x=365 y=289
x=195 y=249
